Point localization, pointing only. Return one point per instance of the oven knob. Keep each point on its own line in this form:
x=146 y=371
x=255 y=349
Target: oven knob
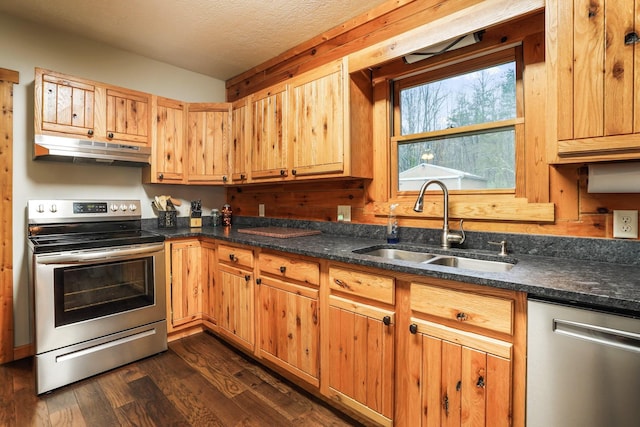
x=123 y=207
x=40 y=208
x=132 y=207
x=53 y=208
x=114 y=208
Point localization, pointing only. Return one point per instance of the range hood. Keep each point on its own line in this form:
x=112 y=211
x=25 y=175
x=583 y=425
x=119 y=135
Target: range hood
x=83 y=151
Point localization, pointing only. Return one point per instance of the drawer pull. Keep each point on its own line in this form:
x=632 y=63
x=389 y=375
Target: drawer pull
x=342 y=284
x=413 y=328
x=480 y=383
x=386 y=320
x=283 y=269
x=233 y=258
x=462 y=317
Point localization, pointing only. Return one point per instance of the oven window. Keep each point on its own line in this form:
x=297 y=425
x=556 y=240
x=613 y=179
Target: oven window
x=91 y=291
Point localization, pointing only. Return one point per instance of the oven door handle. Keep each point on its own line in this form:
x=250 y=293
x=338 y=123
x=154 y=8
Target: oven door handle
x=98 y=255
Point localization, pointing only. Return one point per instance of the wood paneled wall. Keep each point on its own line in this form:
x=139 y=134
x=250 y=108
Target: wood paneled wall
x=7 y=79
x=577 y=213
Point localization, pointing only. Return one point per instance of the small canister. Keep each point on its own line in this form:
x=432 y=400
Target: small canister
x=216 y=218
x=226 y=215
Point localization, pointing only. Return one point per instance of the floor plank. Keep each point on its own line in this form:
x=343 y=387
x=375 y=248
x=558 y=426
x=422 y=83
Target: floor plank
x=199 y=381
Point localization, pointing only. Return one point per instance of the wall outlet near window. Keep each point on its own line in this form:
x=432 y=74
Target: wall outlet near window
x=625 y=224
x=344 y=213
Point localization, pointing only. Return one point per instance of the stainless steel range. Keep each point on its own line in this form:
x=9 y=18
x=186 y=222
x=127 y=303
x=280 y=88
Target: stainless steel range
x=98 y=287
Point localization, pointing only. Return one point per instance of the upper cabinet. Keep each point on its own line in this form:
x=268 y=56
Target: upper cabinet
x=208 y=143
x=318 y=125
x=241 y=135
x=75 y=107
x=168 y=147
x=269 y=115
x=591 y=46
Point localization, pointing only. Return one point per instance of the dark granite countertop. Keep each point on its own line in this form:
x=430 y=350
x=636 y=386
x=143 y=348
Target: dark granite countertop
x=563 y=269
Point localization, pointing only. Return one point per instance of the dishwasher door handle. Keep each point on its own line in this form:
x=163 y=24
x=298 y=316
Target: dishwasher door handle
x=597 y=334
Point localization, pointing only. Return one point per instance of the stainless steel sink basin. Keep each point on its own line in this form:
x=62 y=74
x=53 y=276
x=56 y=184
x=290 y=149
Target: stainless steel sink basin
x=472 y=264
x=400 y=254
x=438 y=259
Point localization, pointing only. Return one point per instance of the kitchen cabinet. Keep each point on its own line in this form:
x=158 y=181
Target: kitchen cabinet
x=457 y=357
x=591 y=46
x=269 y=142
x=361 y=342
x=241 y=135
x=185 y=287
x=168 y=148
x=208 y=276
x=208 y=143
x=289 y=324
x=74 y=107
x=234 y=297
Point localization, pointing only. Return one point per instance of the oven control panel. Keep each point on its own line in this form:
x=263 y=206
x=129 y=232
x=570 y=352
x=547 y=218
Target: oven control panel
x=57 y=211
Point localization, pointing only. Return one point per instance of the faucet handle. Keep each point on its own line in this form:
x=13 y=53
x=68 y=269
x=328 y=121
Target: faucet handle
x=503 y=247
x=453 y=237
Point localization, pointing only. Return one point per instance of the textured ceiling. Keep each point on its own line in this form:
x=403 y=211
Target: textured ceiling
x=218 y=38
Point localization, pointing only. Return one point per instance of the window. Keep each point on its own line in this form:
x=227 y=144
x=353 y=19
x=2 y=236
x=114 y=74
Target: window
x=458 y=124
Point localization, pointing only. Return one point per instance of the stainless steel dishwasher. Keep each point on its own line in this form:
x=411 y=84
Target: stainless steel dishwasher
x=583 y=367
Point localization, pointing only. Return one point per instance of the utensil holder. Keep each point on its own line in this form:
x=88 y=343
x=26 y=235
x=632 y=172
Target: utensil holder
x=167 y=219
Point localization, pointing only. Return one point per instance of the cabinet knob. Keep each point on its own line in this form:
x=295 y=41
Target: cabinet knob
x=161 y=176
x=631 y=38
x=224 y=178
x=258 y=281
x=386 y=320
x=233 y=258
x=283 y=172
x=90 y=132
x=413 y=328
x=110 y=135
x=293 y=171
x=243 y=176
x=247 y=277
x=462 y=316
x=283 y=269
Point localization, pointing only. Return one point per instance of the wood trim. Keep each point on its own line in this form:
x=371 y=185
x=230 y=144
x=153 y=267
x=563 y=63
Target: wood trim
x=7 y=79
x=459 y=130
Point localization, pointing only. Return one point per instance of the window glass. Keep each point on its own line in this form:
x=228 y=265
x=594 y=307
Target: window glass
x=482 y=154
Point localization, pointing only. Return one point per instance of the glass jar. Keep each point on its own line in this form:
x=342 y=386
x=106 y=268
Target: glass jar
x=226 y=215
x=216 y=218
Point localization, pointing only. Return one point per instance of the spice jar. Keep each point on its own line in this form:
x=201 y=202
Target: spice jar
x=216 y=218
x=226 y=215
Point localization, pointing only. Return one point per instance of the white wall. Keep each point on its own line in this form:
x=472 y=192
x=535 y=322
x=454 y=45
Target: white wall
x=24 y=46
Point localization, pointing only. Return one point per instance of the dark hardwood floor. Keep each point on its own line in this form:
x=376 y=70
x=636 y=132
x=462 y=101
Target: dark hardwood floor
x=199 y=381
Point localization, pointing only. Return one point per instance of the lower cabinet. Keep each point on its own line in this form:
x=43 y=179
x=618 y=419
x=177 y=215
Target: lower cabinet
x=361 y=343
x=289 y=314
x=234 y=295
x=208 y=278
x=185 y=288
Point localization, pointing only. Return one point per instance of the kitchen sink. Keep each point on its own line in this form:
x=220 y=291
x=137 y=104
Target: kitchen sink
x=472 y=264
x=420 y=257
x=400 y=254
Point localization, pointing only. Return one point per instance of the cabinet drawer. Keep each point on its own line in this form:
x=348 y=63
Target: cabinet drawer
x=489 y=312
x=368 y=285
x=235 y=256
x=290 y=268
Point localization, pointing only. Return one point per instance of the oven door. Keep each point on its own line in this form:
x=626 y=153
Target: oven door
x=82 y=295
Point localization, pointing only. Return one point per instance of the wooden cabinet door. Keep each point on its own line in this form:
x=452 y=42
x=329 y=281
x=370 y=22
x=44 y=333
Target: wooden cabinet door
x=128 y=116
x=318 y=122
x=289 y=327
x=241 y=136
x=168 y=147
x=592 y=69
x=269 y=115
x=235 y=305
x=453 y=384
x=361 y=356
x=186 y=288
x=208 y=262
x=208 y=143
x=64 y=105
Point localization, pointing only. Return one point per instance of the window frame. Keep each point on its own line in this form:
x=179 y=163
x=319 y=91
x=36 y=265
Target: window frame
x=451 y=68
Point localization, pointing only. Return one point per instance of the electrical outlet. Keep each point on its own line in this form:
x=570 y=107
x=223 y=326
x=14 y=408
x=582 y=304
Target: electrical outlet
x=261 y=209
x=344 y=213
x=625 y=224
